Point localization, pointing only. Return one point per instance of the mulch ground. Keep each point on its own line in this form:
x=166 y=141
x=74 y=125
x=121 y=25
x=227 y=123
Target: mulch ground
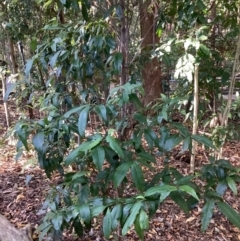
x=20 y=203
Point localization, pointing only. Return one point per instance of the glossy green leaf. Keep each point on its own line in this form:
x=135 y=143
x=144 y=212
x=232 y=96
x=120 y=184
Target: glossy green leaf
x=72 y=111
x=180 y=201
x=140 y=118
x=171 y=142
x=102 y=112
x=115 y=145
x=96 y=210
x=54 y=58
x=126 y=211
x=121 y=172
x=163 y=196
x=82 y=120
x=203 y=140
x=138 y=229
x=110 y=41
x=225 y=164
x=232 y=185
x=28 y=66
x=159 y=189
x=143 y=220
x=38 y=141
x=183 y=180
x=146 y=156
x=189 y=190
x=131 y=218
x=85 y=213
x=230 y=213
x=107 y=224
x=98 y=41
x=186 y=144
x=207 y=213
x=135 y=100
x=57 y=220
x=221 y=187
x=44 y=231
x=116 y=215
x=98 y=155
x=80 y=150
x=137 y=176
x=205 y=49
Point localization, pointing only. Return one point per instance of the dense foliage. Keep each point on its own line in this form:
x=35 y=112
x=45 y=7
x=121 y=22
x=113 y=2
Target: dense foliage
x=110 y=138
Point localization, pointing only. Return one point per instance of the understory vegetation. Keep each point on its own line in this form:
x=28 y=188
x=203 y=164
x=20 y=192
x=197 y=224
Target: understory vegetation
x=107 y=88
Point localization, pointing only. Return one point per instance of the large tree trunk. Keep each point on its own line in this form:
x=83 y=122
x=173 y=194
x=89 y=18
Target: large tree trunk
x=152 y=69
x=9 y=233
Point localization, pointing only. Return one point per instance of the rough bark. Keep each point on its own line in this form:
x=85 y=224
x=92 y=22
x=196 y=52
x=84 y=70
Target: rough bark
x=9 y=233
x=152 y=70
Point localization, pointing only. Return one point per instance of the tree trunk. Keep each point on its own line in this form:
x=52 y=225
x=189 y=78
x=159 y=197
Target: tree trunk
x=9 y=233
x=12 y=54
x=152 y=70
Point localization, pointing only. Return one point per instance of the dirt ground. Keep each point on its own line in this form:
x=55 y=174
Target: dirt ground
x=20 y=203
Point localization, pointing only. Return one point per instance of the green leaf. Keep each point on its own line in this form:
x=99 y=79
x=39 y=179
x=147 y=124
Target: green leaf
x=163 y=196
x=28 y=67
x=118 y=62
x=57 y=220
x=121 y=172
x=72 y=111
x=44 y=232
x=146 y=156
x=205 y=49
x=189 y=190
x=203 y=140
x=38 y=141
x=207 y=213
x=183 y=180
x=96 y=210
x=82 y=120
x=135 y=100
x=85 y=213
x=98 y=155
x=78 y=228
x=98 y=41
x=137 y=176
x=232 y=185
x=225 y=164
x=102 y=112
x=116 y=215
x=33 y=45
x=180 y=201
x=53 y=59
x=80 y=150
x=143 y=220
x=84 y=10
x=186 y=144
x=159 y=189
x=221 y=187
x=139 y=231
x=140 y=118
x=110 y=41
x=131 y=218
x=230 y=213
x=171 y=142
x=115 y=146
x=107 y=224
